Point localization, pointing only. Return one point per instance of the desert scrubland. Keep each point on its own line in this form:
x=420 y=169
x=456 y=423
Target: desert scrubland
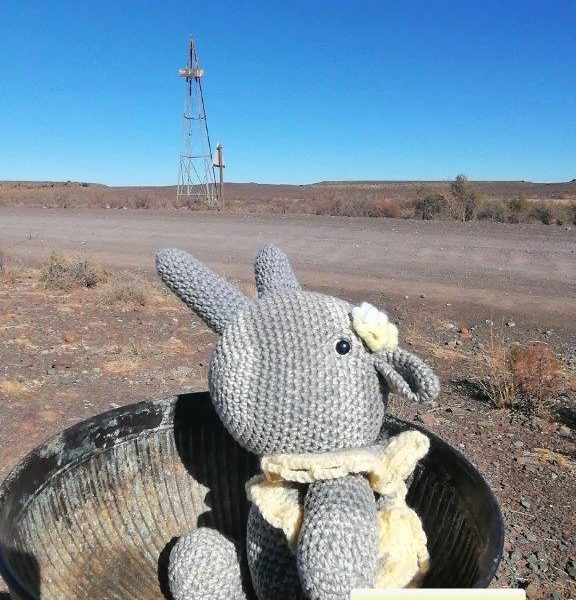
x=84 y=326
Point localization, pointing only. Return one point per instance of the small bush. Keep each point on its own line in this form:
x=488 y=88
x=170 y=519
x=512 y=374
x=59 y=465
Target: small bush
x=430 y=205
x=142 y=202
x=536 y=374
x=55 y=273
x=519 y=209
x=571 y=213
x=389 y=208
x=86 y=273
x=494 y=210
x=62 y=274
x=127 y=288
x=498 y=383
x=522 y=377
x=359 y=207
x=466 y=198
x=543 y=213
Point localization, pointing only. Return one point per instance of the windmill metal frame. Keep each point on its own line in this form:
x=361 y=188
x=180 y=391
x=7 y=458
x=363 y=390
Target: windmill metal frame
x=196 y=176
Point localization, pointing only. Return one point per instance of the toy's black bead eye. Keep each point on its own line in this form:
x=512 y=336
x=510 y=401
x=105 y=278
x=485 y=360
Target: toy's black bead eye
x=343 y=346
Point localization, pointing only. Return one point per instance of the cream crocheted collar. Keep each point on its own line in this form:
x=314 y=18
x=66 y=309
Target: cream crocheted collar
x=386 y=468
x=387 y=464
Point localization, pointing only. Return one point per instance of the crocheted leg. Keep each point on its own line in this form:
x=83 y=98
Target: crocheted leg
x=272 y=563
x=204 y=565
x=338 y=543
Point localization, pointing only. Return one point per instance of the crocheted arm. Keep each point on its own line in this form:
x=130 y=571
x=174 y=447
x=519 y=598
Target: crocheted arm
x=338 y=544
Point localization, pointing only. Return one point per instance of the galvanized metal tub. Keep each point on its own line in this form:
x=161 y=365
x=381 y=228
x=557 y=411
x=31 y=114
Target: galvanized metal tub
x=92 y=512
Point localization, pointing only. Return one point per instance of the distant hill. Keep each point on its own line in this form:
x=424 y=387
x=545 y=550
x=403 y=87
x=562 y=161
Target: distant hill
x=358 y=198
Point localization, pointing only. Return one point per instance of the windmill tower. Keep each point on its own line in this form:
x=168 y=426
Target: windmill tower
x=196 y=177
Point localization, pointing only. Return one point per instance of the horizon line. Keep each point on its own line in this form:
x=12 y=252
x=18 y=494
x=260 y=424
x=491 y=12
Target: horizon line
x=321 y=182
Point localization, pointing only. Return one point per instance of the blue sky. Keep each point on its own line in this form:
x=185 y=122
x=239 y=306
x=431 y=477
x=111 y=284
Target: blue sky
x=297 y=91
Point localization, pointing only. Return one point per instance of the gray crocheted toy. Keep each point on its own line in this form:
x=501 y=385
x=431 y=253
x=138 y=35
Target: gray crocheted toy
x=302 y=380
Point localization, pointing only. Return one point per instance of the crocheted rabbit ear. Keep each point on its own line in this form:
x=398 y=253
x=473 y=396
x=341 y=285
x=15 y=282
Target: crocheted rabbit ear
x=211 y=297
x=407 y=375
x=273 y=272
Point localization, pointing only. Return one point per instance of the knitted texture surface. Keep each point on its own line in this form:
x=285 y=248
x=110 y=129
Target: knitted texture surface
x=408 y=375
x=290 y=375
x=272 y=563
x=206 y=293
x=338 y=544
x=273 y=272
x=204 y=565
x=402 y=555
x=279 y=385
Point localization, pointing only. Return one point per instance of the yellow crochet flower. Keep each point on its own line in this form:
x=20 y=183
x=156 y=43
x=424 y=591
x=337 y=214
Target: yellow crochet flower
x=373 y=327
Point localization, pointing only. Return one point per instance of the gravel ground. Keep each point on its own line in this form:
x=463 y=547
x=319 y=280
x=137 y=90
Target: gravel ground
x=66 y=356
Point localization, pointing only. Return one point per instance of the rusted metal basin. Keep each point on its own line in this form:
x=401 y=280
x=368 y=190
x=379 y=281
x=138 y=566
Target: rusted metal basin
x=91 y=513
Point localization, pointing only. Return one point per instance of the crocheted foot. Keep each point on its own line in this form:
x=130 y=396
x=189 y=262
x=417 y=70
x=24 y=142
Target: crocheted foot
x=204 y=565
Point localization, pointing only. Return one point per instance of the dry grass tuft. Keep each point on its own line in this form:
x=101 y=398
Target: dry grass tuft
x=127 y=288
x=3 y=261
x=59 y=273
x=525 y=377
x=555 y=458
x=358 y=207
x=7 y=272
x=497 y=383
x=11 y=387
x=121 y=365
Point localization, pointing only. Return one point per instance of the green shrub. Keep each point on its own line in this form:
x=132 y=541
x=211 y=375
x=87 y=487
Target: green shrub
x=466 y=198
x=86 y=273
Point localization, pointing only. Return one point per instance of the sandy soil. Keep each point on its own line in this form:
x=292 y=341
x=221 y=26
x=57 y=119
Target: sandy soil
x=65 y=356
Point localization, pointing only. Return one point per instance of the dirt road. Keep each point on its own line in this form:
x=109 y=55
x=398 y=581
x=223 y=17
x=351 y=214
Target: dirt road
x=519 y=271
